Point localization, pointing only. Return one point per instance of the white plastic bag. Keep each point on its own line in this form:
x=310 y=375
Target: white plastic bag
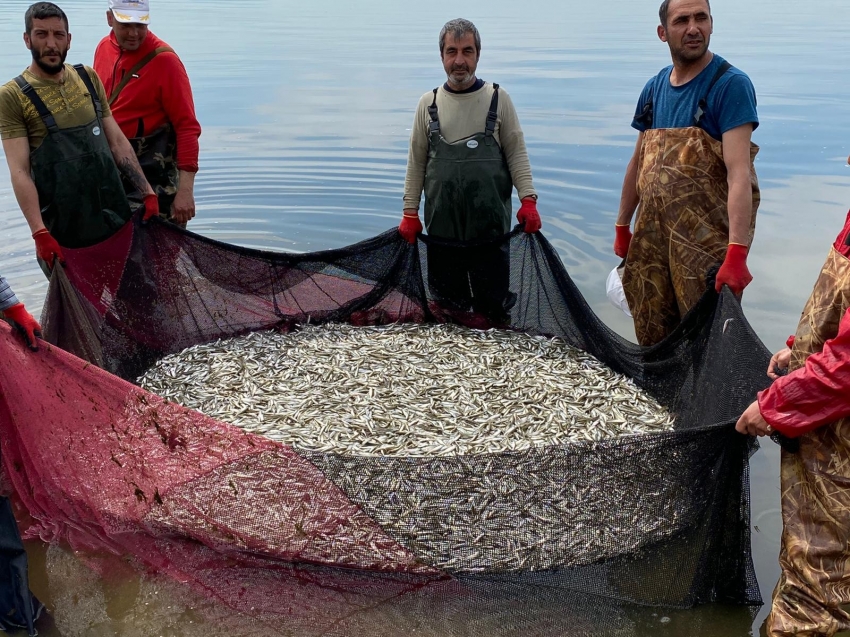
x=614 y=288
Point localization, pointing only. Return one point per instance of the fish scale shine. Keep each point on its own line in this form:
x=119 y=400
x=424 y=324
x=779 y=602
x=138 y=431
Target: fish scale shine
x=407 y=390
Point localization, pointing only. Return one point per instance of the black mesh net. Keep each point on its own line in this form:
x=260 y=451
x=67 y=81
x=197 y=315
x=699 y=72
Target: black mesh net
x=659 y=519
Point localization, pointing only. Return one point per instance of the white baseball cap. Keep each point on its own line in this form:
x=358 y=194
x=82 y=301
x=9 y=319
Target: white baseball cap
x=131 y=11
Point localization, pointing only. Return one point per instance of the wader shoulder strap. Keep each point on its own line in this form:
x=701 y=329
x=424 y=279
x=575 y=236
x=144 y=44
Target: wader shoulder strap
x=133 y=71
x=492 y=115
x=703 y=103
x=434 y=126
x=38 y=103
x=84 y=76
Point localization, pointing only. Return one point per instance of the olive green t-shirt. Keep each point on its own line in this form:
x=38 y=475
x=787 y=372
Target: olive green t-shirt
x=69 y=102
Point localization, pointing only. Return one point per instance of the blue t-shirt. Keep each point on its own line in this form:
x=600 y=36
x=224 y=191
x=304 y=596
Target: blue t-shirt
x=731 y=103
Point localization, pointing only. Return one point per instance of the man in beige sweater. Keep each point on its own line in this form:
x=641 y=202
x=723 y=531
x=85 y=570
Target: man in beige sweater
x=467 y=152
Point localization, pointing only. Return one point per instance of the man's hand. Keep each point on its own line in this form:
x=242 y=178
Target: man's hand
x=734 y=272
x=622 y=240
x=23 y=321
x=528 y=215
x=183 y=207
x=410 y=226
x=151 y=208
x=779 y=363
x=47 y=248
x=751 y=422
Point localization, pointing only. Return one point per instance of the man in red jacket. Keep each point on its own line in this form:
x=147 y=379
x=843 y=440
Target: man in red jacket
x=812 y=404
x=151 y=100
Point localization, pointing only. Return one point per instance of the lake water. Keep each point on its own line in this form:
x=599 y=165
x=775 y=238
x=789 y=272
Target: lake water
x=306 y=110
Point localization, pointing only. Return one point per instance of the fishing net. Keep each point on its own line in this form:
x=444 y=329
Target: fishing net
x=309 y=542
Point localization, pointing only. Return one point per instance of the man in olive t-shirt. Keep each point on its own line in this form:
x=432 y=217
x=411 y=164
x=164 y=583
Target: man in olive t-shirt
x=63 y=147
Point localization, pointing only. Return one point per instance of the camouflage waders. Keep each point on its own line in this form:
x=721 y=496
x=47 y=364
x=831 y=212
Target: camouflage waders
x=815 y=554
x=157 y=155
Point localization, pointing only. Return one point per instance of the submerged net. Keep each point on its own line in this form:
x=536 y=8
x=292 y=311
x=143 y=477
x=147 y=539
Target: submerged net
x=314 y=542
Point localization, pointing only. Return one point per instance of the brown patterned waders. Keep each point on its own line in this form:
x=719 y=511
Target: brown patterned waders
x=815 y=554
x=682 y=226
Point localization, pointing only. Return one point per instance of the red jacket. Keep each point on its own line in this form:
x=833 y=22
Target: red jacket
x=819 y=393
x=161 y=93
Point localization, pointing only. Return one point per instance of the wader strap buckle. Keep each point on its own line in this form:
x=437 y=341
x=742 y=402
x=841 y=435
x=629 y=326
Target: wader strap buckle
x=434 y=126
x=38 y=103
x=84 y=76
x=703 y=103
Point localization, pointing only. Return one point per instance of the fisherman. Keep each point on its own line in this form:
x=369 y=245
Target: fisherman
x=63 y=147
x=18 y=609
x=467 y=152
x=151 y=99
x=811 y=407
x=693 y=176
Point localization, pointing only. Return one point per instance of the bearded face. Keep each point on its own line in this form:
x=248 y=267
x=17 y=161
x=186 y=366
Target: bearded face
x=49 y=42
x=50 y=59
x=460 y=60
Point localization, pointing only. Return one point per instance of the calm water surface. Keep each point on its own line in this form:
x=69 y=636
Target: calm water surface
x=306 y=109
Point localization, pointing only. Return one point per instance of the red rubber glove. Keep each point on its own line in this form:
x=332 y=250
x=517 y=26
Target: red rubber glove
x=25 y=324
x=528 y=215
x=410 y=227
x=734 y=272
x=622 y=240
x=151 y=208
x=47 y=248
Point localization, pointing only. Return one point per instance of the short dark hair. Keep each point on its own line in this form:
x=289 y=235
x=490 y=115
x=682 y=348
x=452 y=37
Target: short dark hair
x=43 y=11
x=459 y=28
x=665 y=8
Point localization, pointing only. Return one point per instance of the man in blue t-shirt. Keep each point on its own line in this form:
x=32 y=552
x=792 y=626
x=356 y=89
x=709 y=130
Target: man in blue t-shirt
x=692 y=175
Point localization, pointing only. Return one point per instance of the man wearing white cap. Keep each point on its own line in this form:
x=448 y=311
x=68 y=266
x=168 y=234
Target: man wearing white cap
x=151 y=100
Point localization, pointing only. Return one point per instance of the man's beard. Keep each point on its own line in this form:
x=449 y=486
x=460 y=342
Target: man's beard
x=464 y=80
x=50 y=69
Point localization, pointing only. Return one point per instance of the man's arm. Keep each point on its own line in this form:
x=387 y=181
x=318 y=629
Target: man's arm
x=125 y=157
x=629 y=199
x=513 y=145
x=7 y=296
x=18 y=157
x=814 y=395
x=179 y=108
x=736 y=156
x=417 y=159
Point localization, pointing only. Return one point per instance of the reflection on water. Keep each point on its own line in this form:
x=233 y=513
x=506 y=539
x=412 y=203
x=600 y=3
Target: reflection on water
x=306 y=110
x=83 y=604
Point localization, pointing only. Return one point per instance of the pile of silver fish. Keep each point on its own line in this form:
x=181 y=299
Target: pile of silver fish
x=407 y=390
